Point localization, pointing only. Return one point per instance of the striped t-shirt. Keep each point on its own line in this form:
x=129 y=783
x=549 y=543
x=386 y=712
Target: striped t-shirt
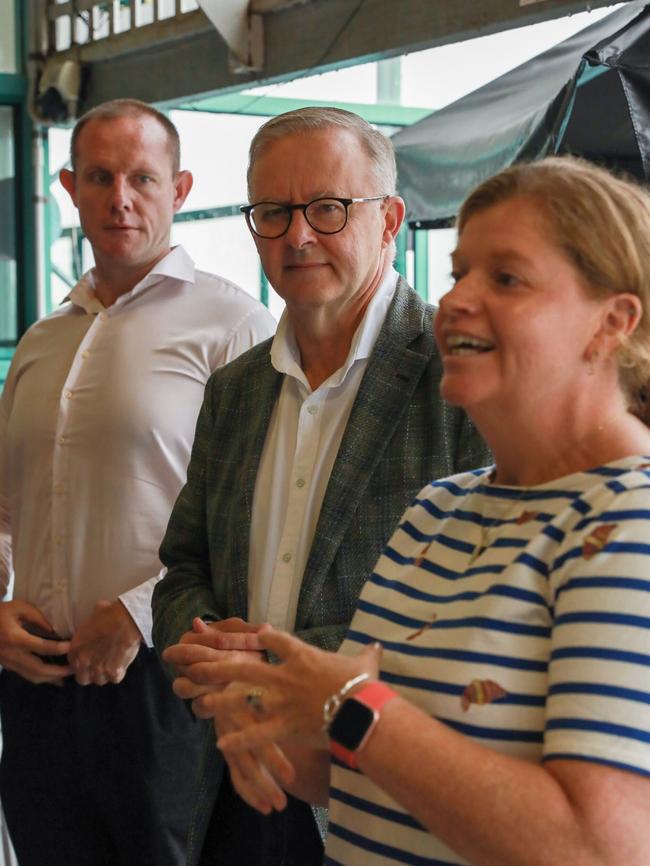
x=519 y=617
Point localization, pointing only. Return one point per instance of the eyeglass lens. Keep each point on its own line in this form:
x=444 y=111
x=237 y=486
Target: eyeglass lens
x=325 y=215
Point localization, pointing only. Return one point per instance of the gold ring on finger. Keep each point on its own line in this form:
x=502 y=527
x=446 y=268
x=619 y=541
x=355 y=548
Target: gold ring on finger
x=254 y=700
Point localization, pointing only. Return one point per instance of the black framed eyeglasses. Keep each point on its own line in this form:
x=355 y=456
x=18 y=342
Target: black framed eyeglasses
x=327 y=216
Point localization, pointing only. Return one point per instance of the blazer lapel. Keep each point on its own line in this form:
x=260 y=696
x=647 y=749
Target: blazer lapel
x=393 y=372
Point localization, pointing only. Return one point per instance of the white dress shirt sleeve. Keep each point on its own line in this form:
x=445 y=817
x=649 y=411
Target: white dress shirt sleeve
x=138 y=603
x=257 y=325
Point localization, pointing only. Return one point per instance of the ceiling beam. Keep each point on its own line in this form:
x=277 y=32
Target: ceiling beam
x=307 y=37
x=381 y=114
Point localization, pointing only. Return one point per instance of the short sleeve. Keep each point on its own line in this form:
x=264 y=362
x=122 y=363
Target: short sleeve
x=598 y=706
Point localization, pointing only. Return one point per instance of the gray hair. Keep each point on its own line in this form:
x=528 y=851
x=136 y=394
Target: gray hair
x=377 y=146
x=117 y=108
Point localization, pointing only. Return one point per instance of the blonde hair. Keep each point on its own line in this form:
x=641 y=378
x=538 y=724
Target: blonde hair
x=602 y=223
x=378 y=147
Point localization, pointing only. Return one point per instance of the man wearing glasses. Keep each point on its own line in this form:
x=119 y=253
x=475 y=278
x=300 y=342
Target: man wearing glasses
x=308 y=447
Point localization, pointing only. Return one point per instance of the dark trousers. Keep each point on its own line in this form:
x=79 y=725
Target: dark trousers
x=239 y=836
x=98 y=775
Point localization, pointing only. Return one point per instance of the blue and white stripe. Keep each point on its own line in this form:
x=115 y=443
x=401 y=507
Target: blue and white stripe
x=561 y=625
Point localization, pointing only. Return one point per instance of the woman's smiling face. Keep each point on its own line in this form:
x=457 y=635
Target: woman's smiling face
x=515 y=328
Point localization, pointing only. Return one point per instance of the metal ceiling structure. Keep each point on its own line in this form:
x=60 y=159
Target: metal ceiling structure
x=169 y=50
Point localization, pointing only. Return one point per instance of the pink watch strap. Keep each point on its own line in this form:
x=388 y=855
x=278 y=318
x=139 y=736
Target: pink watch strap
x=373 y=695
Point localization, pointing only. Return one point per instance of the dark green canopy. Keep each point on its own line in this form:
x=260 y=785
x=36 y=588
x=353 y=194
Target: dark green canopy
x=589 y=95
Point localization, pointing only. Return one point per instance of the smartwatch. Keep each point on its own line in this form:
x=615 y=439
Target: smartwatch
x=355 y=720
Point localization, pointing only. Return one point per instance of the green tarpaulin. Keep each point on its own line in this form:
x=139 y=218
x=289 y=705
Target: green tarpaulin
x=588 y=95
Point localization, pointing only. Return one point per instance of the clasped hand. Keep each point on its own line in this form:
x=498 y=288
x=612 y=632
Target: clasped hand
x=287 y=708
x=201 y=648
x=24 y=638
x=197 y=659
x=104 y=645
x=99 y=652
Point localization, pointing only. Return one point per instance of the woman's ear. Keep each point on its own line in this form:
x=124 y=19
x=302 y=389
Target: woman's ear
x=621 y=315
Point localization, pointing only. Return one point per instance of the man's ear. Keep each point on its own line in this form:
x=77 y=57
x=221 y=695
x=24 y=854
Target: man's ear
x=182 y=185
x=620 y=318
x=68 y=183
x=393 y=218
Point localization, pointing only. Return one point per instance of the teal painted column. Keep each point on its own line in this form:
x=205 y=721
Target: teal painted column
x=401 y=246
x=48 y=223
x=264 y=288
x=421 y=262
x=26 y=252
x=26 y=245
x=6 y=355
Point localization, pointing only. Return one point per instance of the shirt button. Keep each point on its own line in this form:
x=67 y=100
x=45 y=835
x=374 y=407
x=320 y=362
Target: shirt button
x=67 y=395
x=286 y=557
x=59 y=487
x=61 y=440
x=300 y=482
x=103 y=317
x=312 y=409
x=85 y=354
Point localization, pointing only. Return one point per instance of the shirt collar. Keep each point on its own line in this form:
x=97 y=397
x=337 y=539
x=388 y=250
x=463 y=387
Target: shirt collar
x=176 y=265
x=285 y=355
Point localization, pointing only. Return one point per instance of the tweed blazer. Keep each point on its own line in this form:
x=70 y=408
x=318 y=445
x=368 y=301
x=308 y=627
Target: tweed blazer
x=400 y=435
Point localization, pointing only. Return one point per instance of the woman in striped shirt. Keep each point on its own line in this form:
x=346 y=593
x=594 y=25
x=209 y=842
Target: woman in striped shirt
x=505 y=718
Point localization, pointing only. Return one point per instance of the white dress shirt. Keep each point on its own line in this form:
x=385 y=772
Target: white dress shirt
x=96 y=424
x=302 y=442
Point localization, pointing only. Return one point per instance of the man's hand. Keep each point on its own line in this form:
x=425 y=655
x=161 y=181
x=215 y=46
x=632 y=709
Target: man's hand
x=230 y=639
x=226 y=634
x=20 y=648
x=104 y=645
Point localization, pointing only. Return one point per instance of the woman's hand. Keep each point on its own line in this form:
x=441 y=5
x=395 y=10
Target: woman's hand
x=258 y=775
x=288 y=701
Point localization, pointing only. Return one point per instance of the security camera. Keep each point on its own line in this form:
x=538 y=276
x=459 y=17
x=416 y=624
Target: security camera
x=58 y=91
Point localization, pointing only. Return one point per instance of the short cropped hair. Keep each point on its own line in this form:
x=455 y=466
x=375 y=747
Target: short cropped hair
x=377 y=146
x=117 y=108
x=602 y=224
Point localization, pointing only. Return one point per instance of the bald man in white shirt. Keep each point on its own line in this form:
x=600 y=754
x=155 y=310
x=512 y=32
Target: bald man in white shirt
x=96 y=423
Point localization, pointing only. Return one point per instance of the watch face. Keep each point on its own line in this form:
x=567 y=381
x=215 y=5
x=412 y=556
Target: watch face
x=351 y=723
